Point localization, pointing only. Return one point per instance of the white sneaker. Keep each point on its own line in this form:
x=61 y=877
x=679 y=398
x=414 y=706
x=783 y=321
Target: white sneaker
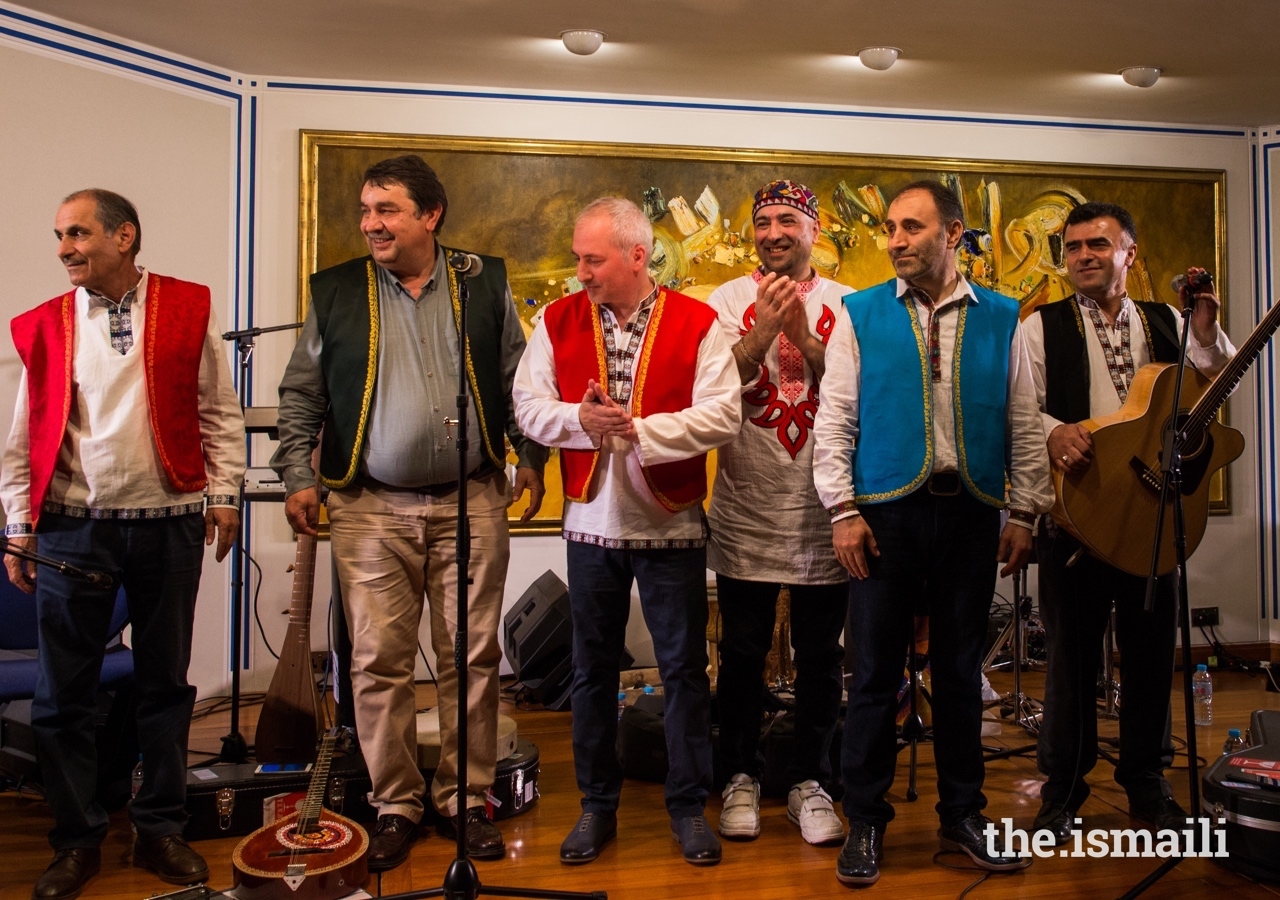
x=809 y=806
x=740 y=817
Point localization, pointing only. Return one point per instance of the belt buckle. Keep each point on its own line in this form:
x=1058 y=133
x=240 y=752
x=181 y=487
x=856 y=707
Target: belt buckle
x=944 y=484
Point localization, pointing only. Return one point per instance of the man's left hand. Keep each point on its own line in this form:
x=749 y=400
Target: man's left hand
x=1204 y=319
x=531 y=480
x=1015 y=548
x=225 y=520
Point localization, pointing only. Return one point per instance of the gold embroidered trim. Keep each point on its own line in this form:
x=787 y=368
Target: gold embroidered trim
x=371 y=374
x=1146 y=330
x=928 y=417
x=1075 y=309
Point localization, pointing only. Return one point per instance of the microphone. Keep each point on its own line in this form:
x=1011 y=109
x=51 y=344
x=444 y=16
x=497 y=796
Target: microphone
x=1197 y=282
x=468 y=265
x=98 y=579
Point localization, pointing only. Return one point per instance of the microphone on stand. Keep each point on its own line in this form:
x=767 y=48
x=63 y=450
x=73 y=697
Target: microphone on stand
x=468 y=265
x=1195 y=282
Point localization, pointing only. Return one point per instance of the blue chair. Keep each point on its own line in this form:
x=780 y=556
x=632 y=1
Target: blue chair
x=19 y=644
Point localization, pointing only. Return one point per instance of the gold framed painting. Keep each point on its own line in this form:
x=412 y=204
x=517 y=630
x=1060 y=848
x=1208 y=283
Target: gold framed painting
x=517 y=199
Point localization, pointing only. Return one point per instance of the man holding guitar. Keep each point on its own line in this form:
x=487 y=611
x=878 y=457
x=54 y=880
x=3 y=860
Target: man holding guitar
x=1084 y=353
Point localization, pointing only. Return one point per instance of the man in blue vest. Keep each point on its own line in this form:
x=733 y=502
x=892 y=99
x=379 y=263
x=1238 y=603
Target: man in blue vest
x=927 y=408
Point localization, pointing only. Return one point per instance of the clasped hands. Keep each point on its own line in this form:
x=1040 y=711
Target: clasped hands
x=600 y=415
x=780 y=310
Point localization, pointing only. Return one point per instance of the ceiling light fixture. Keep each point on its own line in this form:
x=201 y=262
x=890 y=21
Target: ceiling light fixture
x=582 y=41
x=879 y=58
x=1141 y=76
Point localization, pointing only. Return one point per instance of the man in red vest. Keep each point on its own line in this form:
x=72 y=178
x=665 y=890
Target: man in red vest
x=635 y=384
x=125 y=458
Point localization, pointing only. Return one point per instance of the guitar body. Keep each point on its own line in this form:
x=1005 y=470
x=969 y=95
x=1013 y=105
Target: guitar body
x=1112 y=507
x=290 y=717
x=275 y=863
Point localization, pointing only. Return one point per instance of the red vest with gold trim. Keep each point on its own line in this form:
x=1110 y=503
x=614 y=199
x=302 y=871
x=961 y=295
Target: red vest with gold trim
x=664 y=378
x=177 y=316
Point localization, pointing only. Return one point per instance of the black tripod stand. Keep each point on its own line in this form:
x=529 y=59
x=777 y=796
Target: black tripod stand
x=97 y=579
x=461 y=881
x=1175 y=439
x=234 y=748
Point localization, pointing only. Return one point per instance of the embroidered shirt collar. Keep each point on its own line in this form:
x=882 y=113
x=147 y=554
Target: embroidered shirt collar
x=962 y=291
x=607 y=316
x=1121 y=317
x=803 y=288
x=125 y=302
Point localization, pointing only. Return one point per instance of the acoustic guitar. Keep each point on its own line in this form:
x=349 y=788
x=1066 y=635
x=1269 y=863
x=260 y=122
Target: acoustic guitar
x=1112 y=507
x=311 y=854
x=290 y=719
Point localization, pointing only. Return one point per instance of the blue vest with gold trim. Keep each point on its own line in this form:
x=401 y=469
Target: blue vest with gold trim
x=895 y=448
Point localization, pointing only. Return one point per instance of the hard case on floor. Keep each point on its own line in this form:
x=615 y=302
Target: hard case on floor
x=226 y=800
x=1250 y=807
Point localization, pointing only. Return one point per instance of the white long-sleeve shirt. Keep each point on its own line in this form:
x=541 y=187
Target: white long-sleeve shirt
x=836 y=428
x=622 y=513
x=108 y=465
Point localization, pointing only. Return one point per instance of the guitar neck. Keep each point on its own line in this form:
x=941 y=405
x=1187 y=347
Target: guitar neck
x=1207 y=408
x=309 y=811
x=304 y=579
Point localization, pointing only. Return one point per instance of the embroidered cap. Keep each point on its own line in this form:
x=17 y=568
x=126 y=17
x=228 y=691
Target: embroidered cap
x=786 y=193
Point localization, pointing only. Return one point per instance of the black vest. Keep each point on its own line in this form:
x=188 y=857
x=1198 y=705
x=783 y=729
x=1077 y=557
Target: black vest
x=1066 y=355
x=345 y=297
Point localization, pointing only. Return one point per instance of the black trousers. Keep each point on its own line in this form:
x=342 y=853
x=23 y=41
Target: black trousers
x=1075 y=604
x=748 y=610
x=936 y=554
x=158 y=561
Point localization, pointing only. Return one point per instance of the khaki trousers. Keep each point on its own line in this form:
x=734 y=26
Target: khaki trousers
x=390 y=547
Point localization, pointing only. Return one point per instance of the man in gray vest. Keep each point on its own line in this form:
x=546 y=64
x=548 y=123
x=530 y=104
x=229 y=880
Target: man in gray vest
x=375 y=365
x=1084 y=353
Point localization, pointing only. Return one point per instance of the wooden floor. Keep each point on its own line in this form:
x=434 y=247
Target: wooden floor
x=645 y=862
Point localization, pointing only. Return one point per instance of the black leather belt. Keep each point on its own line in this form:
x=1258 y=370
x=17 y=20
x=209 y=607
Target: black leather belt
x=944 y=484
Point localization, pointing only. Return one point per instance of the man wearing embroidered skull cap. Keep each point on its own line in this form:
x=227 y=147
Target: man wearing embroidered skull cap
x=768 y=527
x=927 y=409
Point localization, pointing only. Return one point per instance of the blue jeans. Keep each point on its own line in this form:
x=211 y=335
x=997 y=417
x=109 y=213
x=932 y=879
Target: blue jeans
x=748 y=610
x=937 y=555
x=158 y=561
x=673 y=599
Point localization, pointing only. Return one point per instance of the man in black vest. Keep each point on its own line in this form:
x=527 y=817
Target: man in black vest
x=1084 y=353
x=375 y=365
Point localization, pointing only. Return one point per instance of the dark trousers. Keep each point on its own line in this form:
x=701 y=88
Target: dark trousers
x=1075 y=604
x=747 y=612
x=158 y=563
x=673 y=599
x=937 y=555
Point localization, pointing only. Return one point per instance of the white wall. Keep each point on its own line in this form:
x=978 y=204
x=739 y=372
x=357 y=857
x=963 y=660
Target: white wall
x=183 y=179
x=66 y=125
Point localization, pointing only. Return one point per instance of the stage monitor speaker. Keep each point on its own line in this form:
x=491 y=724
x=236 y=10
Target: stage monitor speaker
x=538 y=630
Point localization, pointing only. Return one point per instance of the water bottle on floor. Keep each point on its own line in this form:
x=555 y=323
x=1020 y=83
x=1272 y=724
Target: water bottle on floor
x=1202 y=694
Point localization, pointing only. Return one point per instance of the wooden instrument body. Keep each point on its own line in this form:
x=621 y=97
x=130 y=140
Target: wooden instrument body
x=1112 y=507
x=332 y=857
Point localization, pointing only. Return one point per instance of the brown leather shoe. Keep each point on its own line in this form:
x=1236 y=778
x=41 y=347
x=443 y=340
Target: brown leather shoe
x=170 y=858
x=389 y=845
x=67 y=875
x=484 y=840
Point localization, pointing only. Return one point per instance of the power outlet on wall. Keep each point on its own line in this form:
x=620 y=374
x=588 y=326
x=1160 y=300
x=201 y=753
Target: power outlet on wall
x=1204 y=616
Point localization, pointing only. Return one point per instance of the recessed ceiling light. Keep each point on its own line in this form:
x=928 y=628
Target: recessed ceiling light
x=582 y=41
x=1141 y=76
x=879 y=58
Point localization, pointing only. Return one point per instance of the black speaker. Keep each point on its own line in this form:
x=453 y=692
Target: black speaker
x=538 y=637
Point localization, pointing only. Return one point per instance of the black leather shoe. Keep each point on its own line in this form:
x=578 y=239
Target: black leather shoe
x=170 y=858
x=67 y=875
x=1056 y=819
x=860 y=858
x=484 y=840
x=1163 y=812
x=969 y=836
x=389 y=845
x=588 y=837
x=698 y=842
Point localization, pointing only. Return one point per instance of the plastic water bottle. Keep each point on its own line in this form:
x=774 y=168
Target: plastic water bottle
x=1234 y=741
x=622 y=703
x=1202 y=694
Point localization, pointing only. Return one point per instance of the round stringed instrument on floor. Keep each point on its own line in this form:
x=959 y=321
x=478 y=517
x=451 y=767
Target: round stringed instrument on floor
x=312 y=854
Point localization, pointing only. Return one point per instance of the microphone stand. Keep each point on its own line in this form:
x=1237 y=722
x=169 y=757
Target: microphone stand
x=1171 y=487
x=98 y=579
x=461 y=881
x=234 y=747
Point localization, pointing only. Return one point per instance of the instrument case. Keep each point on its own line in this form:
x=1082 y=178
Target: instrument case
x=226 y=800
x=1251 y=810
